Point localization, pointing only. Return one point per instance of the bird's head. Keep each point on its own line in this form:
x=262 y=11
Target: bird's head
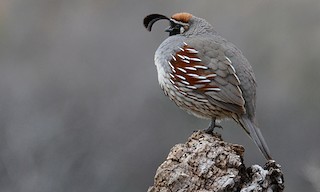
x=180 y=23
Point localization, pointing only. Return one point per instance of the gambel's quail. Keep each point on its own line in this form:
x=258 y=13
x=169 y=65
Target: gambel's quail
x=206 y=75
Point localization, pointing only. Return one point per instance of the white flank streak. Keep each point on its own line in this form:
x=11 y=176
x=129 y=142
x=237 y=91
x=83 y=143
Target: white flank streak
x=211 y=75
x=181 y=77
x=185 y=82
x=176 y=87
x=195 y=59
x=239 y=90
x=181 y=49
x=192 y=50
x=182 y=57
x=191 y=87
x=173 y=57
x=184 y=71
x=204 y=81
x=232 y=68
x=193 y=97
x=212 y=89
x=186 y=61
x=201 y=77
x=198 y=99
x=172 y=76
x=170 y=64
x=186 y=57
x=183 y=93
x=185 y=43
x=200 y=67
x=191 y=68
x=171 y=81
x=229 y=60
x=192 y=75
x=196 y=76
x=237 y=78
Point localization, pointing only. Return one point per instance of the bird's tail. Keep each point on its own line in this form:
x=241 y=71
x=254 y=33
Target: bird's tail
x=255 y=134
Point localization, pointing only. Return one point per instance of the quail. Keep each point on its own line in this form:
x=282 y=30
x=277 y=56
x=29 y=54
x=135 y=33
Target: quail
x=206 y=75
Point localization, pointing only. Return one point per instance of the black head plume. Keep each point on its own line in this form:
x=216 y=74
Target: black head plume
x=149 y=20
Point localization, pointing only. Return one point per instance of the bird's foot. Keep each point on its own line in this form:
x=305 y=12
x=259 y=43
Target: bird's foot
x=211 y=127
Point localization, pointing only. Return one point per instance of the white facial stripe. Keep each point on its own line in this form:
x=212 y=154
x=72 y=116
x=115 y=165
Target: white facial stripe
x=179 y=22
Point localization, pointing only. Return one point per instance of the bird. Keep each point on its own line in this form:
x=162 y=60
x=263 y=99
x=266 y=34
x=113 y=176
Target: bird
x=206 y=75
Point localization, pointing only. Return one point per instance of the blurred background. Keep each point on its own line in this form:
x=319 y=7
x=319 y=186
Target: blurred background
x=80 y=105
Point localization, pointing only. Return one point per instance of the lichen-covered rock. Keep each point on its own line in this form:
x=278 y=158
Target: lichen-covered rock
x=207 y=163
x=269 y=178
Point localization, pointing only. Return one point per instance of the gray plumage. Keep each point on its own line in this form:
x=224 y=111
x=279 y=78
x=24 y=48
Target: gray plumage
x=206 y=75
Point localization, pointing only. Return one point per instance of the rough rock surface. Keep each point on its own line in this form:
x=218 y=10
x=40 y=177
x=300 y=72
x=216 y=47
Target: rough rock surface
x=207 y=163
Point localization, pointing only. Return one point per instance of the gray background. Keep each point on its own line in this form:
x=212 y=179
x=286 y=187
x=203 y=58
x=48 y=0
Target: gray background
x=80 y=105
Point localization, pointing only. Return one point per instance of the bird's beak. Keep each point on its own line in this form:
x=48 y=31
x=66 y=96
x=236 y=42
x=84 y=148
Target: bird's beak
x=149 y=20
x=169 y=29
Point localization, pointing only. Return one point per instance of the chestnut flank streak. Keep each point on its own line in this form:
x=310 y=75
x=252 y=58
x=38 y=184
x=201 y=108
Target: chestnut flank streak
x=187 y=69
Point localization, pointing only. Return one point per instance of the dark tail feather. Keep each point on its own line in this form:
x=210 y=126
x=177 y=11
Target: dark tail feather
x=255 y=133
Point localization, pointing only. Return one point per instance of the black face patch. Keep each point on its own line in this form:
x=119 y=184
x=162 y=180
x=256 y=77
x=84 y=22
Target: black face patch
x=174 y=29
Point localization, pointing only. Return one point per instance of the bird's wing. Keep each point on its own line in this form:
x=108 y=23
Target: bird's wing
x=202 y=66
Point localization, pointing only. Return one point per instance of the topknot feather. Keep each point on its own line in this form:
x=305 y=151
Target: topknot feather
x=183 y=17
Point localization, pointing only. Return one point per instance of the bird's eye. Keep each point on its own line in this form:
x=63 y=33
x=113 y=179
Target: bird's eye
x=176 y=28
x=183 y=28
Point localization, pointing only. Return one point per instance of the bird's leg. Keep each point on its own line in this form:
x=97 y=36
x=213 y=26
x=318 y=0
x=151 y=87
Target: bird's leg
x=212 y=125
